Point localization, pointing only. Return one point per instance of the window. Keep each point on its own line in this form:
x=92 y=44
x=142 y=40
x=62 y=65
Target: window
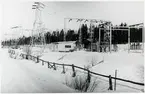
x=67 y=46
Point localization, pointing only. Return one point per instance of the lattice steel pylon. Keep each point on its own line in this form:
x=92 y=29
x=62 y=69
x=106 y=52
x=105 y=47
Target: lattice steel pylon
x=107 y=38
x=38 y=29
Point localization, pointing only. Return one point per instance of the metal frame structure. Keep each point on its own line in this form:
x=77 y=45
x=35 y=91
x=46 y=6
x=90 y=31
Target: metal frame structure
x=37 y=25
x=91 y=21
x=38 y=31
x=127 y=28
x=139 y=25
x=111 y=28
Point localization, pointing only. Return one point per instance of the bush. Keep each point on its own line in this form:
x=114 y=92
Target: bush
x=81 y=83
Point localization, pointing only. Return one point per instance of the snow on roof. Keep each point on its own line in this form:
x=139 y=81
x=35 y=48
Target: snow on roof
x=64 y=42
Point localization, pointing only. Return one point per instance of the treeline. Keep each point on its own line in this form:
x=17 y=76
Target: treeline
x=118 y=36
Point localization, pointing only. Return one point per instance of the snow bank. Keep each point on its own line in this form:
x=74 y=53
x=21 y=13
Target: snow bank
x=22 y=76
x=128 y=65
x=79 y=58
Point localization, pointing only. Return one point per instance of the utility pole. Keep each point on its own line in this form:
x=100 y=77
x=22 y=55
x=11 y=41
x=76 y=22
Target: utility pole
x=128 y=39
x=80 y=35
x=143 y=39
x=64 y=28
x=91 y=35
x=110 y=37
x=99 y=39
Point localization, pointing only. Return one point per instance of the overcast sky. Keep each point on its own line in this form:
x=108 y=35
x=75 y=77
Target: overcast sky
x=21 y=13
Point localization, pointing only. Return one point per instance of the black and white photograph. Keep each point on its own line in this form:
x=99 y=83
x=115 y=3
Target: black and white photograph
x=72 y=46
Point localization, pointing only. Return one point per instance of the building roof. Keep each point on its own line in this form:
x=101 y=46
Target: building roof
x=64 y=42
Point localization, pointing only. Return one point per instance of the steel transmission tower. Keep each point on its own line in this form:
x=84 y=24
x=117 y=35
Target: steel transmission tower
x=38 y=30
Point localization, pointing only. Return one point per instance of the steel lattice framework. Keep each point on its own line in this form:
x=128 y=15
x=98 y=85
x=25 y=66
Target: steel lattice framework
x=124 y=28
x=38 y=29
x=91 y=21
x=108 y=28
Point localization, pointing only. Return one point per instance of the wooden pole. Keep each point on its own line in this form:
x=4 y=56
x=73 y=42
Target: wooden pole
x=63 y=69
x=115 y=80
x=91 y=34
x=37 y=60
x=54 y=66
x=42 y=62
x=64 y=28
x=89 y=76
x=128 y=40
x=143 y=39
x=110 y=38
x=99 y=38
x=110 y=83
x=80 y=37
x=73 y=69
x=26 y=56
x=48 y=64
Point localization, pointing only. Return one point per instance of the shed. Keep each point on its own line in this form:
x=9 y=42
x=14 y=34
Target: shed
x=67 y=46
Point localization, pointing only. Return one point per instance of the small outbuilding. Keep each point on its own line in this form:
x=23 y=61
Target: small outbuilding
x=67 y=46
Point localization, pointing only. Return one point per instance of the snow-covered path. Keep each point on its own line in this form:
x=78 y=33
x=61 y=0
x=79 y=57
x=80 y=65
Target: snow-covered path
x=19 y=76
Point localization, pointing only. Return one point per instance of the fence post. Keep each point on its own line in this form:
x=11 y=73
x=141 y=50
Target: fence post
x=63 y=69
x=26 y=56
x=37 y=59
x=115 y=80
x=88 y=80
x=54 y=66
x=42 y=62
x=89 y=76
x=73 y=69
x=48 y=64
x=110 y=83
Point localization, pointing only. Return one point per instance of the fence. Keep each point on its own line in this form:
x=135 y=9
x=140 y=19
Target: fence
x=135 y=46
x=53 y=65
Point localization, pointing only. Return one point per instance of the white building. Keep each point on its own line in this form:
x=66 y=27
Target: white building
x=66 y=46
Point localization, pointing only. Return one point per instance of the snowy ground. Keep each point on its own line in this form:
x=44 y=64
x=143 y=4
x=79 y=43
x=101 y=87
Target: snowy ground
x=21 y=76
x=129 y=66
x=39 y=78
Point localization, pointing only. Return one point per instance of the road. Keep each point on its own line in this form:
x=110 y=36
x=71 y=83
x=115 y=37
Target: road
x=21 y=76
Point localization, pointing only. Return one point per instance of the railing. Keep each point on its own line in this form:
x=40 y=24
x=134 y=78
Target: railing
x=53 y=65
